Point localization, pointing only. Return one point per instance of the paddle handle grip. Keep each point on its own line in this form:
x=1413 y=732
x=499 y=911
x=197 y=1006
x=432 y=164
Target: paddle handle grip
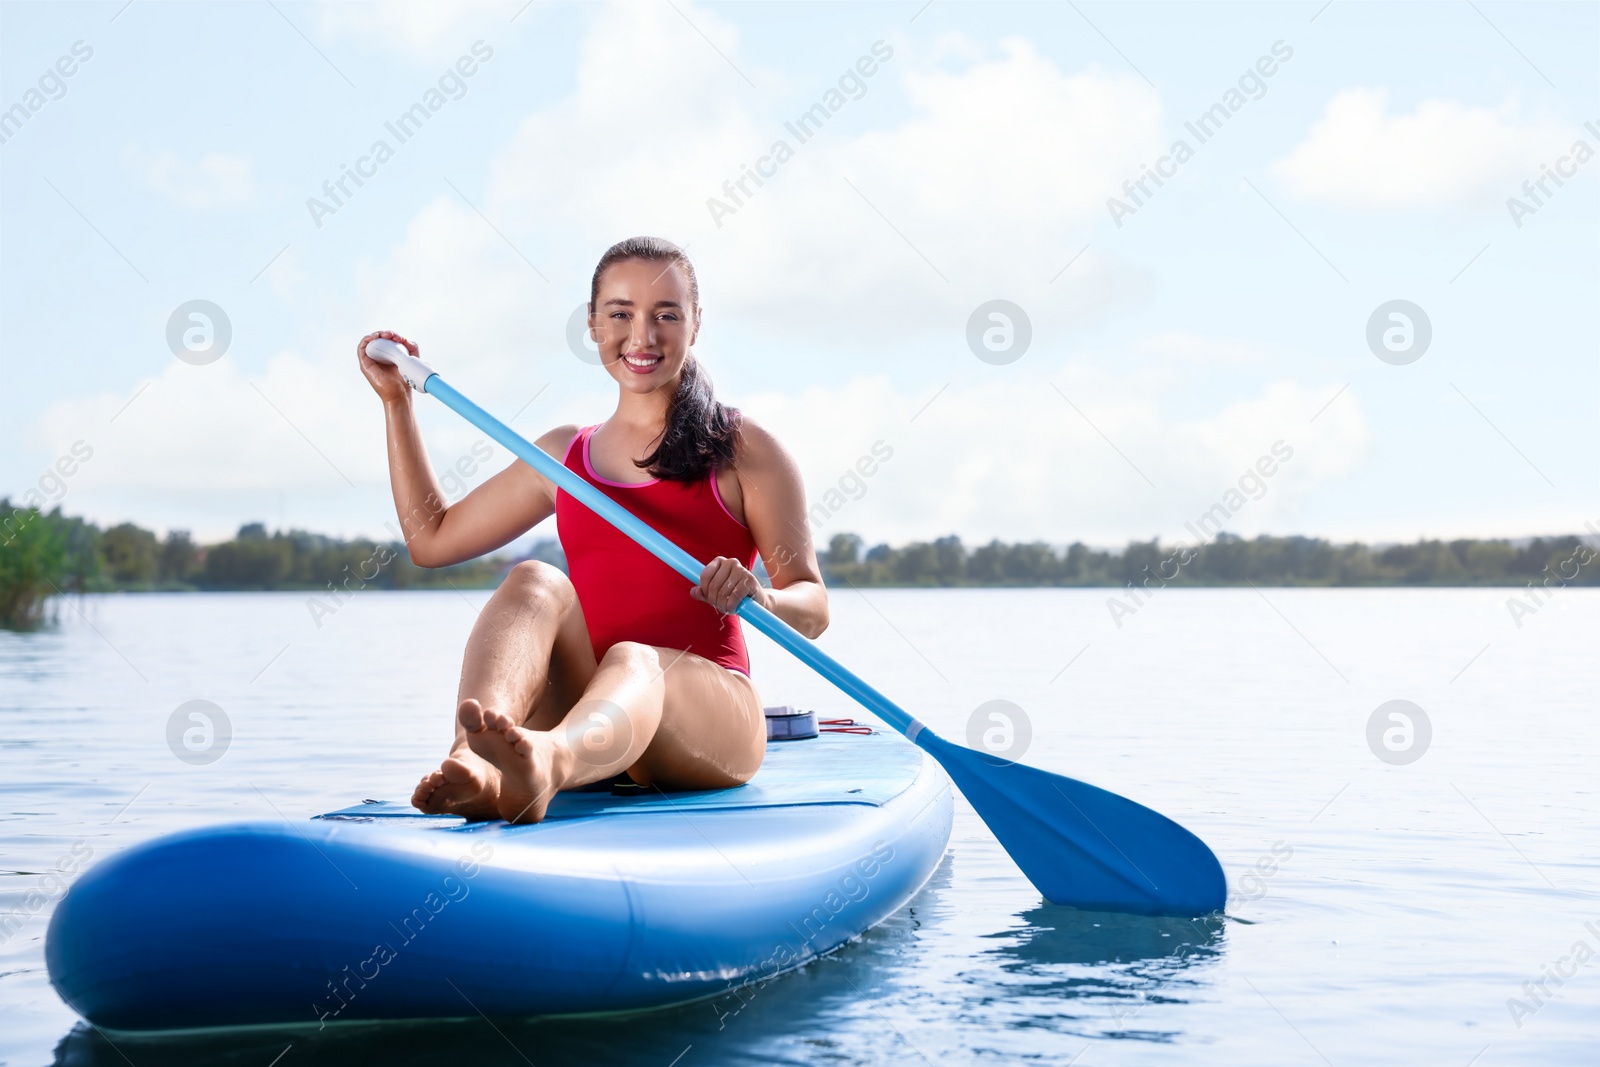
x=413 y=370
x=658 y=546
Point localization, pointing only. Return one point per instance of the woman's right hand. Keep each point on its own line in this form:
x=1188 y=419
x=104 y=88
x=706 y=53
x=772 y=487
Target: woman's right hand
x=385 y=378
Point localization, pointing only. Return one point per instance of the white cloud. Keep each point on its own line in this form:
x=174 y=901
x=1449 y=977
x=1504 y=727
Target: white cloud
x=1015 y=459
x=987 y=190
x=215 y=180
x=994 y=178
x=213 y=428
x=1360 y=157
x=590 y=169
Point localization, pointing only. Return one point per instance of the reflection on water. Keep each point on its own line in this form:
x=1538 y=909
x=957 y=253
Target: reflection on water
x=1065 y=966
x=1113 y=965
x=1147 y=946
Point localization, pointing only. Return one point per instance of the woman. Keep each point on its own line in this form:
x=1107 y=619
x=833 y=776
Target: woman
x=618 y=668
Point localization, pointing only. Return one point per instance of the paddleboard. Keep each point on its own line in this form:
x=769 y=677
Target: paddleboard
x=612 y=903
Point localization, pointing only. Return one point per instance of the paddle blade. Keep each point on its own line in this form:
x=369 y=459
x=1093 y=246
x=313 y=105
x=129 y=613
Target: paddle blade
x=1083 y=846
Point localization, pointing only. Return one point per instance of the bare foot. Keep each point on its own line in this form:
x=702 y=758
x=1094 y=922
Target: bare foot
x=524 y=758
x=463 y=785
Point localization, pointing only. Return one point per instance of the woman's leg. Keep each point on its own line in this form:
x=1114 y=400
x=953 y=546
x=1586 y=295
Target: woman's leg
x=668 y=717
x=528 y=658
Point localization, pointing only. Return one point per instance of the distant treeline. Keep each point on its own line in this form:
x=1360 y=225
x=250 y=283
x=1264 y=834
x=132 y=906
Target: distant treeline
x=42 y=554
x=1227 y=560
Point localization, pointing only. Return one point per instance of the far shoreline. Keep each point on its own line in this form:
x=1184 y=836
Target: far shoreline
x=47 y=556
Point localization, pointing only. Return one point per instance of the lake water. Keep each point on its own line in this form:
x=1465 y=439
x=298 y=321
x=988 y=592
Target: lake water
x=1394 y=911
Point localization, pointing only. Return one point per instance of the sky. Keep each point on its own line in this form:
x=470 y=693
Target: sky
x=1329 y=266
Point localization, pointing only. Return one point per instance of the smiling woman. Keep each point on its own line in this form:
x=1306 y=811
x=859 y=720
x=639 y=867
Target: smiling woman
x=617 y=669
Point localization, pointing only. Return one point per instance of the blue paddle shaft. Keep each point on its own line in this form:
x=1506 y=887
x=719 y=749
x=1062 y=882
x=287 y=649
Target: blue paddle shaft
x=673 y=556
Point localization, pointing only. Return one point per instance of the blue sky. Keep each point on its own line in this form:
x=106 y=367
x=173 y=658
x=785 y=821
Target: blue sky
x=1172 y=347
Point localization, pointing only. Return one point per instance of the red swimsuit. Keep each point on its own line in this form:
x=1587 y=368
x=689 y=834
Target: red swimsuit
x=629 y=595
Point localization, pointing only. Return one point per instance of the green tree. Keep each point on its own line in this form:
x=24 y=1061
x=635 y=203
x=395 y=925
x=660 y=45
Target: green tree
x=33 y=559
x=1076 y=566
x=843 y=548
x=247 y=564
x=986 y=564
x=949 y=560
x=131 y=554
x=1033 y=563
x=178 y=556
x=915 y=564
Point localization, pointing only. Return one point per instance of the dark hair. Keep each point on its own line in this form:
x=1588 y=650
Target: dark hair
x=700 y=431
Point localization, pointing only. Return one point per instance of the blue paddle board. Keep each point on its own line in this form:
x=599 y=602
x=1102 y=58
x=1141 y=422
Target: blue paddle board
x=612 y=903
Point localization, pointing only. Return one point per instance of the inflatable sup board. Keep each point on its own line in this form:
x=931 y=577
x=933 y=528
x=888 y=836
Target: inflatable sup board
x=612 y=903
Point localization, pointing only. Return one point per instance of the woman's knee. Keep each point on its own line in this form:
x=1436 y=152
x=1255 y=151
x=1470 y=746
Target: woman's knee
x=535 y=582
x=632 y=654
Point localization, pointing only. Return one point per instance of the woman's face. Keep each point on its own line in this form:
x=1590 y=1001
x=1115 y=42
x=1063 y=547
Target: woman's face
x=643 y=322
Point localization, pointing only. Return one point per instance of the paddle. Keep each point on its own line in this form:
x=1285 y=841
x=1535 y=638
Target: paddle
x=1078 y=845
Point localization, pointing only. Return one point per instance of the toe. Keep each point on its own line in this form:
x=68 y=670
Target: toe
x=470 y=716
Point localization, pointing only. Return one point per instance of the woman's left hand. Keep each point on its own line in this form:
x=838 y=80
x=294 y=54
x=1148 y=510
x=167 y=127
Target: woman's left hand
x=725 y=582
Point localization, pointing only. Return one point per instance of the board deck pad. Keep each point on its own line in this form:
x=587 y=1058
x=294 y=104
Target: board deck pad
x=828 y=769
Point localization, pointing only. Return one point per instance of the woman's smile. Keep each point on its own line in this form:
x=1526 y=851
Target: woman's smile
x=641 y=362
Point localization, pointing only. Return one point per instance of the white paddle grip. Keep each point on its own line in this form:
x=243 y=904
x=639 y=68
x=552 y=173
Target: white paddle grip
x=413 y=370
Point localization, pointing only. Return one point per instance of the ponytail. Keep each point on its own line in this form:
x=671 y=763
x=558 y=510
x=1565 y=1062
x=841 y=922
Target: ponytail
x=701 y=432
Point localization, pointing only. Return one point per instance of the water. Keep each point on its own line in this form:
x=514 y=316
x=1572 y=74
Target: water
x=1395 y=911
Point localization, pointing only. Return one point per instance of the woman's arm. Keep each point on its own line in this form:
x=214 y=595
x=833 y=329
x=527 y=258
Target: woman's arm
x=436 y=532
x=775 y=511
